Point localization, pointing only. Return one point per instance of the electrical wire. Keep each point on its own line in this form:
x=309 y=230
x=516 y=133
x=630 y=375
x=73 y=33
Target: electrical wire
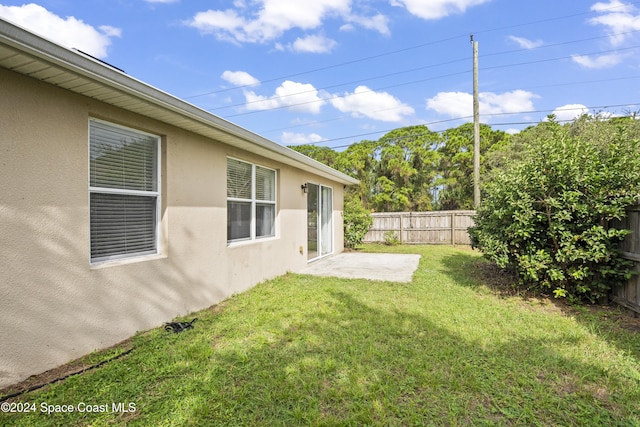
x=484 y=115
x=431 y=43
x=325 y=99
x=360 y=81
x=333 y=97
x=347 y=116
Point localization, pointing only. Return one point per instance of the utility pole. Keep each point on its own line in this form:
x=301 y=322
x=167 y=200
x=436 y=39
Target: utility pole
x=476 y=128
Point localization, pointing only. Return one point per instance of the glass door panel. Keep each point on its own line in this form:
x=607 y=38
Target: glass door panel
x=319 y=221
x=326 y=229
x=313 y=213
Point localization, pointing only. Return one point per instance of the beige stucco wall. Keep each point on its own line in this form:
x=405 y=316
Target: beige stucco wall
x=56 y=306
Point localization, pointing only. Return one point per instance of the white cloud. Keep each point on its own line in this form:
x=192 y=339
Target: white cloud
x=460 y=104
x=612 y=6
x=436 y=9
x=273 y=18
x=379 y=23
x=240 y=78
x=573 y=111
x=374 y=105
x=570 y=111
x=225 y=24
x=69 y=32
x=301 y=97
x=292 y=138
x=618 y=18
x=526 y=43
x=606 y=115
x=110 y=31
x=514 y=101
x=602 y=61
x=313 y=44
x=454 y=104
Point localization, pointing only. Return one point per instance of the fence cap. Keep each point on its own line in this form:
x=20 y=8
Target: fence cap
x=461 y=212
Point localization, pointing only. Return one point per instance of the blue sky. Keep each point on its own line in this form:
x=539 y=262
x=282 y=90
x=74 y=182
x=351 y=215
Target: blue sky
x=334 y=72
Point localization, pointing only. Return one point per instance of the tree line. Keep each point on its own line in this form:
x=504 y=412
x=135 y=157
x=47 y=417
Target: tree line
x=413 y=168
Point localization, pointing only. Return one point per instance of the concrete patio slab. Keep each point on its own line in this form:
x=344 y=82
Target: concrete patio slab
x=389 y=267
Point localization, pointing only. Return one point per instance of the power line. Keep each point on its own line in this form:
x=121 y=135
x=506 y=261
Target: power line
x=484 y=115
x=562 y=57
x=332 y=97
x=325 y=99
x=328 y=67
x=508 y=27
x=393 y=52
x=494 y=124
x=359 y=81
x=337 y=96
x=423 y=68
x=346 y=116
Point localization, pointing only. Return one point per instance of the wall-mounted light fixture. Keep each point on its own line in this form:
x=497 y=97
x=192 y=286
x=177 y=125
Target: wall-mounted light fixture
x=304 y=187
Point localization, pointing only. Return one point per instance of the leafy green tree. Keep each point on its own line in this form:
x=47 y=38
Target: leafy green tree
x=455 y=172
x=389 y=196
x=406 y=169
x=324 y=155
x=546 y=216
x=360 y=161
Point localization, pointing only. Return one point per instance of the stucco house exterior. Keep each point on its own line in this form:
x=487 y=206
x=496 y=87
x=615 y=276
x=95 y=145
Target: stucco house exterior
x=122 y=207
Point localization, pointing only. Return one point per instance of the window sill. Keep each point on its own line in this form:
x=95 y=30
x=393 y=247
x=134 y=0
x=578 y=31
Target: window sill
x=240 y=243
x=124 y=261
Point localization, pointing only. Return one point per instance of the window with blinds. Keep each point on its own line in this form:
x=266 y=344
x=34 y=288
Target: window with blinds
x=123 y=191
x=251 y=201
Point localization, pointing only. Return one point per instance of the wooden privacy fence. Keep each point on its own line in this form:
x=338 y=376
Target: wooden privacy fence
x=628 y=294
x=437 y=227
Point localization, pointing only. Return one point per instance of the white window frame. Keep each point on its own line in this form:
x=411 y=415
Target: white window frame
x=151 y=194
x=254 y=202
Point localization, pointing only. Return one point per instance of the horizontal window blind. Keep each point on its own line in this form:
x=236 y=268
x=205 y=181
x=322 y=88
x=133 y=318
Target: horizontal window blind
x=265 y=184
x=123 y=186
x=238 y=179
x=122 y=225
x=123 y=159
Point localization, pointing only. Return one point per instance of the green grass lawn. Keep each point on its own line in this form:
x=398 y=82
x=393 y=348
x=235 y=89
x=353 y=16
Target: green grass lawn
x=444 y=349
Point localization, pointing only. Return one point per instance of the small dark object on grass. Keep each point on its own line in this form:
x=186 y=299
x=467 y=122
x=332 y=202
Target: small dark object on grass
x=176 y=327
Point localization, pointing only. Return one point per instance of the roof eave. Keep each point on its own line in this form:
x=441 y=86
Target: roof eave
x=206 y=123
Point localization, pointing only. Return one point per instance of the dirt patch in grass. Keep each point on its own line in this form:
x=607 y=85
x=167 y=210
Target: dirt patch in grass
x=79 y=366
x=75 y=367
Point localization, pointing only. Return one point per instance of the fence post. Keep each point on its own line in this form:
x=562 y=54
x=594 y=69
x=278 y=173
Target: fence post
x=453 y=228
x=401 y=219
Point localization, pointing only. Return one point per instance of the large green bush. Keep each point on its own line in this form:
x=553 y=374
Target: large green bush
x=546 y=216
x=357 y=221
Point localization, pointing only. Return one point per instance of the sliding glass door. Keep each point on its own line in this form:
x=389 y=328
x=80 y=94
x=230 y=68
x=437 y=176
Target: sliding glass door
x=319 y=220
